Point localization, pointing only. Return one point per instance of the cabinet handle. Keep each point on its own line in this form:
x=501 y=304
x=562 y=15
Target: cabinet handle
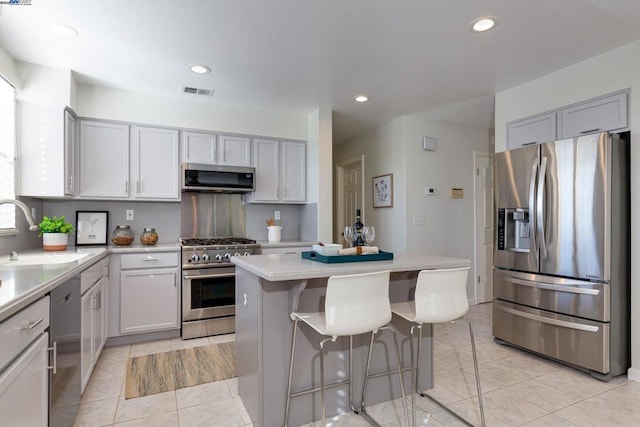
x=149 y=259
x=589 y=131
x=54 y=350
x=245 y=299
x=529 y=143
x=126 y=186
x=137 y=186
x=32 y=324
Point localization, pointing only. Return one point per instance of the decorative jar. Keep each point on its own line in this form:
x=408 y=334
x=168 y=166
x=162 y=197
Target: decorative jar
x=122 y=235
x=149 y=237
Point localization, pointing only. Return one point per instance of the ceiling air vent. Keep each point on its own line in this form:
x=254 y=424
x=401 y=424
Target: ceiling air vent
x=197 y=91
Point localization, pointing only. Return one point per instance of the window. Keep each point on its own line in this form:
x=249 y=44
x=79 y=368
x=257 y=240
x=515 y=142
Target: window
x=7 y=154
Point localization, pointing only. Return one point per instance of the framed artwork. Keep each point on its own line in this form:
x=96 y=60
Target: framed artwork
x=383 y=191
x=91 y=227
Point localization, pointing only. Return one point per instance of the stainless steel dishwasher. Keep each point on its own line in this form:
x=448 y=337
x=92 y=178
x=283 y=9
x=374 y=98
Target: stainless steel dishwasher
x=64 y=333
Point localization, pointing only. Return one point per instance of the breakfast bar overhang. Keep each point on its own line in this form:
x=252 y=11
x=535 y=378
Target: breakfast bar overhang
x=268 y=288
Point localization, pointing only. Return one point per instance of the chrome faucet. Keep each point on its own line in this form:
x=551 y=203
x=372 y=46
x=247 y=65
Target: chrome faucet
x=25 y=209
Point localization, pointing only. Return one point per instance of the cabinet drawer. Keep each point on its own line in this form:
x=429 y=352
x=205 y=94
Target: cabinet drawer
x=17 y=332
x=574 y=340
x=149 y=260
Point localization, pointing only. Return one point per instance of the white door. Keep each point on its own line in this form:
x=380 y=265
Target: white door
x=350 y=195
x=484 y=227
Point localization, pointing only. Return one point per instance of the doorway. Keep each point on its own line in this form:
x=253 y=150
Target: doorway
x=349 y=194
x=483 y=228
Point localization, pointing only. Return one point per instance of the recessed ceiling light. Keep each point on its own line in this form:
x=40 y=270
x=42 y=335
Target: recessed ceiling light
x=63 y=30
x=484 y=23
x=199 y=69
x=361 y=98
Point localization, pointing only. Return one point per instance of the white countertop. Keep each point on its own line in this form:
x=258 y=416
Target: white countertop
x=292 y=266
x=23 y=284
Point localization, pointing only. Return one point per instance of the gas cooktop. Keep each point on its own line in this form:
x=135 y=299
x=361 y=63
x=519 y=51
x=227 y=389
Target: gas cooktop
x=216 y=241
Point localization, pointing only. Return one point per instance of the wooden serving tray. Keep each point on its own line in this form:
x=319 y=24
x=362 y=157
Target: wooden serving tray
x=331 y=259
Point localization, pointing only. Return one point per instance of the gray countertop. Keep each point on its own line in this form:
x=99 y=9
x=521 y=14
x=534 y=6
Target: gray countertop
x=285 y=244
x=293 y=266
x=23 y=284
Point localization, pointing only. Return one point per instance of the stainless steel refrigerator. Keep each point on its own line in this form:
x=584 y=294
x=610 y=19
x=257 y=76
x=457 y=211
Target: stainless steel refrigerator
x=561 y=254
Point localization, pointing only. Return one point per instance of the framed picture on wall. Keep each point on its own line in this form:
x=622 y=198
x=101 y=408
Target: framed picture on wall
x=91 y=227
x=383 y=191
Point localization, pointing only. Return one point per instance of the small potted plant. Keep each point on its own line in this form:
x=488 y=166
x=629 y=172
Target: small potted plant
x=55 y=233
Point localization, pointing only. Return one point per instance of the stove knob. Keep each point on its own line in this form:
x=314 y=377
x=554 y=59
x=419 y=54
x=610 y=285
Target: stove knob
x=246 y=254
x=236 y=254
x=227 y=256
x=205 y=257
x=195 y=258
x=218 y=257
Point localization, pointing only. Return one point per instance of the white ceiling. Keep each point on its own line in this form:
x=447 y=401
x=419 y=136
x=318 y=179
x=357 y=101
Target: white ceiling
x=300 y=55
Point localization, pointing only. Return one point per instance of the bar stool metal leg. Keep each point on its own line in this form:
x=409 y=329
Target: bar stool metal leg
x=363 y=410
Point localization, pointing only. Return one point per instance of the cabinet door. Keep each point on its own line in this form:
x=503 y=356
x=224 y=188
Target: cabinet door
x=293 y=172
x=148 y=300
x=532 y=130
x=42 y=151
x=155 y=163
x=99 y=318
x=86 y=337
x=598 y=115
x=199 y=148
x=104 y=160
x=265 y=161
x=69 y=153
x=24 y=388
x=234 y=151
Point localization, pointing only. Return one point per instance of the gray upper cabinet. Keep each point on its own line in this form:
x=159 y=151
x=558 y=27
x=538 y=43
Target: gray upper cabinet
x=606 y=113
x=212 y=149
x=532 y=130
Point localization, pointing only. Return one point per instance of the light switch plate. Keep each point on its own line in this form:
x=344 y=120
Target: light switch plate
x=418 y=220
x=129 y=214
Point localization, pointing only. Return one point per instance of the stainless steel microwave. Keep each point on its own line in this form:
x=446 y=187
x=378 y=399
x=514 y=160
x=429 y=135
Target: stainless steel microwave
x=218 y=179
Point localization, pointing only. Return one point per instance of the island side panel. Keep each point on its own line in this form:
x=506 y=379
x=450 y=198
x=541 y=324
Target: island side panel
x=248 y=331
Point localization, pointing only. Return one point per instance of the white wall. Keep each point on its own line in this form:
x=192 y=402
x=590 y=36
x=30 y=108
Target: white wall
x=45 y=85
x=319 y=170
x=396 y=147
x=449 y=223
x=8 y=68
x=614 y=70
x=189 y=112
x=383 y=150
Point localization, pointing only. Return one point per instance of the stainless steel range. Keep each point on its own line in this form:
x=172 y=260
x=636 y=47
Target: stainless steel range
x=208 y=284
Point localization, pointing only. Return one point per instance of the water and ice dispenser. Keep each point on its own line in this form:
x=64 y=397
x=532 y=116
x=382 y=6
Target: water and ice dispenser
x=514 y=229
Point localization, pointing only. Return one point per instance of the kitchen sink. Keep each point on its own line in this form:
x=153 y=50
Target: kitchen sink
x=43 y=258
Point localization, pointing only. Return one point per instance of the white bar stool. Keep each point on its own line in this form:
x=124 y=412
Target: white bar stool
x=354 y=304
x=440 y=296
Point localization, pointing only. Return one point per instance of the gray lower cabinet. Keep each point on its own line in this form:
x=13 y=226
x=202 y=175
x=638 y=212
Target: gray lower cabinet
x=149 y=292
x=93 y=284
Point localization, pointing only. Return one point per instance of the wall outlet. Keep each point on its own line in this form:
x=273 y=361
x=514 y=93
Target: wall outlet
x=276 y=215
x=129 y=214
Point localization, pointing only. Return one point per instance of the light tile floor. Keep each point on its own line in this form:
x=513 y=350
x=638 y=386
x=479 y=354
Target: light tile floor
x=519 y=389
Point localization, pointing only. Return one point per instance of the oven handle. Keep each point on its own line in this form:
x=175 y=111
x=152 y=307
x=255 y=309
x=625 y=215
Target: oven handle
x=208 y=276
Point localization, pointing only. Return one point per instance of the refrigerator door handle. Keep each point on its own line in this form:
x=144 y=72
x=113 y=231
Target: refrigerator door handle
x=554 y=322
x=532 y=201
x=558 y=288
x=539 y=207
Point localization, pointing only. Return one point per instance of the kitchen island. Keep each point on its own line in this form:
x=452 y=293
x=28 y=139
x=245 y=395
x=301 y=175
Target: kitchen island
x=267 y=290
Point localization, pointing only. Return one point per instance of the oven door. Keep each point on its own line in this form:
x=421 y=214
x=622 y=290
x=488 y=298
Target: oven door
x=208 y=293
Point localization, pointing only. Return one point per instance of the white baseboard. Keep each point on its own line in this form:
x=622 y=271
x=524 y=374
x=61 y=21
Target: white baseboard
x=633 y=374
